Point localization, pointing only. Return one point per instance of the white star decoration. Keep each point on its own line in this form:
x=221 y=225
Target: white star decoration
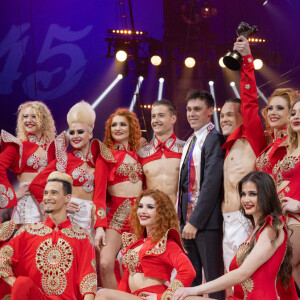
x=247 y=86
x=249 y=60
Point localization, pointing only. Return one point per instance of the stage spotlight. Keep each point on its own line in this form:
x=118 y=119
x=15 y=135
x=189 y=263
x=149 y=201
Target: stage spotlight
x=207 y=10
x=215 y=115
x=190 y=62
x=121 y=55
x=156 y=60
x=221 y=63
x=107 y=90
x=156 y=52
x=258 y=64
x=160 y=88
x=121 y=50
x=232 y=84
x=262 y=95
x=263 y=2
x=136 y=92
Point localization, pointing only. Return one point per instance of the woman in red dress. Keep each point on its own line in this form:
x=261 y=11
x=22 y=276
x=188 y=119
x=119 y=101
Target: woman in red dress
x=276 y=118
x=26 y=155
x=79 y=163
x=152 y=252
x=261 y=268
x=287 y=176
x=122 y=183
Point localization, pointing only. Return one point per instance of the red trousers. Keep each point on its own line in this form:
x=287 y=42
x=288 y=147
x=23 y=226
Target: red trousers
x=24 y=288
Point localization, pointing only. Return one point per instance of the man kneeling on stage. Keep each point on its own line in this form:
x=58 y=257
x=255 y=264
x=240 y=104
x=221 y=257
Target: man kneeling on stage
x=51 y=260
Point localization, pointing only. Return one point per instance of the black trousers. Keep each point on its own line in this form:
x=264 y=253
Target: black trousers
x=206 y=251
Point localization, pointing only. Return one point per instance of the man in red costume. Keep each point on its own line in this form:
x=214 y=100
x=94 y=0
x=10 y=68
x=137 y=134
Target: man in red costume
x=239 y=121
x=161 y=157
x=51 y=260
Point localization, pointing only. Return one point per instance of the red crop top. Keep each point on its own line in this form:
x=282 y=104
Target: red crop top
x=131 y=261
x=171 y=148
x=19 y=156
x=286 y=169
x=156 y=260
x=35 y=164
x=83 y=178
x=127 y=172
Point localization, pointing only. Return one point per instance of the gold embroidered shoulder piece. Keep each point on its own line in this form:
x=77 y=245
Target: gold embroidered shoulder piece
x=168 y=294
x=105 y=153
x=143 y=142
x=128 y=239
x=284 y=143
x=61 y=145
x=89 y=284
x=160 y=246
x=240 y=253
x=75 y=232
x=39 y=229
x=6 y=254
x=178 y=146
x=7 y=230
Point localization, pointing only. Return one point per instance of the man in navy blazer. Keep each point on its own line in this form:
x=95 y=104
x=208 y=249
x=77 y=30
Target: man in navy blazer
x=201 y=190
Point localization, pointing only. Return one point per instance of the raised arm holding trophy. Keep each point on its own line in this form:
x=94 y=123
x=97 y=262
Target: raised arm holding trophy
x=232 y=60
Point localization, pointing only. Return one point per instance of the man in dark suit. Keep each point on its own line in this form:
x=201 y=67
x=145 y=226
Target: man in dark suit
x=201 y=190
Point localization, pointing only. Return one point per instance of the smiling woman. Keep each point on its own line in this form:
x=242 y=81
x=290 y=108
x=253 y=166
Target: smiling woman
x=79 y=163
x=26 y=155
x=287 y=177
x=151 y=253
x=122 y=185
x=261 y=268
x=276 y=118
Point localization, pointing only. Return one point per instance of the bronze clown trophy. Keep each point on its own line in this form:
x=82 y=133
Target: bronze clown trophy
x=233 y=60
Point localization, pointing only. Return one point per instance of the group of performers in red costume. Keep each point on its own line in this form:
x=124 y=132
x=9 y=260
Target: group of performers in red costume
x=121 y=194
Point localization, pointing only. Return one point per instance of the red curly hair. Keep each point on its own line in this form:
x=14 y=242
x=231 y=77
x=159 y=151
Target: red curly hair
x=290 y=95
x=166 y=216
x=134 y=129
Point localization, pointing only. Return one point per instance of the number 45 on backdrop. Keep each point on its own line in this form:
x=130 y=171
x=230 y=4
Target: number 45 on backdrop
x=51 y=81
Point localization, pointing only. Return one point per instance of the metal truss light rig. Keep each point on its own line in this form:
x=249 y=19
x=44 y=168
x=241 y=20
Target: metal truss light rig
x=126 y=44
x=127 y=41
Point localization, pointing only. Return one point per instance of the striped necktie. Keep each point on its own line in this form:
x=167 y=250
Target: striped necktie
x=188 y=153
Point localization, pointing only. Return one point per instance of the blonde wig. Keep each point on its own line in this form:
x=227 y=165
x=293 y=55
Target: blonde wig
x=44 y=118
x=82 y=112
